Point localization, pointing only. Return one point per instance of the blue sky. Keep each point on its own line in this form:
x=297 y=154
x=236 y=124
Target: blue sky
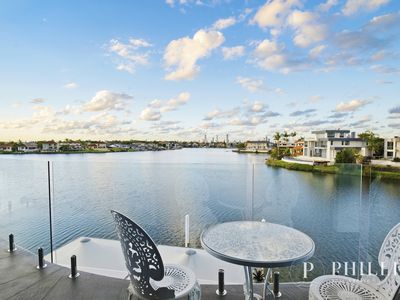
x=179 y=69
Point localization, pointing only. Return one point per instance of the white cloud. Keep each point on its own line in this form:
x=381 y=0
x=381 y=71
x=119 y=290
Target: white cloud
x=350 y=106
x=70 y=85
x=221 y=114
x=130 y=54
x=149 y=114
x=224 y=23
x=307 y=29
x=251 y=84
x=183 y=54
x=270 y=56
x=233 y=52
x=38 y=100
x=354 y=6
x=106 y=100
x=153 y=111
x=258 y=106
x=174 y=103
x=328 y=5
x=316 y=51
x=274 y=12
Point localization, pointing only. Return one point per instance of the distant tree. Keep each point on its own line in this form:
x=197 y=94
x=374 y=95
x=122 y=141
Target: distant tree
x=241 y=146
x=347 y=156
x=277 y=138
x=374 y=143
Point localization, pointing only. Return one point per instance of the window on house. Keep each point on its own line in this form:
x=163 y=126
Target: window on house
x=331 y=143
x=390 y=145
x=347 y=143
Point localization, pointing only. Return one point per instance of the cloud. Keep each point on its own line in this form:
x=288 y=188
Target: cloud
x=274 y=13
x=315 y=98
x=174 y=103
x=351 y=106
x=302 y=112
x=221 y=114
x=38 y=100
x=131 y=54
x=338 y=115
x=224 y=23
x=257 y=107
x=154 y=110
x=149 y=114
x=316 y=51
x=106 y=101
x=354 y=6
x=70 y=85
x=361 y=122
x=307 y=29
x=230 y=53
x=385 y=69
x=328 y=5
x=181 y=55
x=384 y=81
x=251 y=84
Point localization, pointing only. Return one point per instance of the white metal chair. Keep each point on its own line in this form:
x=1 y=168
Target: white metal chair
x=150 y=278
x=334 y=287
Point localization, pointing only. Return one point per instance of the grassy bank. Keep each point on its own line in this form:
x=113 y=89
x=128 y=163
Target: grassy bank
x=374 y=171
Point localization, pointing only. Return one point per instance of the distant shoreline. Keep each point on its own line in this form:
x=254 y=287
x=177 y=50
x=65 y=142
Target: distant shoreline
x=370 y=170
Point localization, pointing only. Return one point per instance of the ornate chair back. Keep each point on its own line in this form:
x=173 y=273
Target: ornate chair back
x=142 y=258
x=389 y=255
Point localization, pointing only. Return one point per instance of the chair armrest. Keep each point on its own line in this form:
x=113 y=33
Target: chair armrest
x=371 y=280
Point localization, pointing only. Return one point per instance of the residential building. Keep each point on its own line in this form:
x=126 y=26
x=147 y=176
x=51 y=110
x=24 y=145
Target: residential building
x=6 y=147
x=28 y=147
x=327 y=143
x=298 y=147
x=69 y=146
x=257 y=145
x=50 y=146
x=97 y=146
x=392 y=148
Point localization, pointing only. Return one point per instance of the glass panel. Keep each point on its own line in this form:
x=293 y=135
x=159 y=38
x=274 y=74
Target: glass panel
x=325 y=206
x=24 y=201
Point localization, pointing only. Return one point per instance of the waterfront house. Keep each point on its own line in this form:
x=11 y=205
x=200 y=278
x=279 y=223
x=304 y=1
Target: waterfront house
x=50 y=146
x=298 y=147
x=6 y=147
x=259 y=146
x=392 y=148
x=28 y=147
x=327 y=143
x=100 y=146
x=69 y=146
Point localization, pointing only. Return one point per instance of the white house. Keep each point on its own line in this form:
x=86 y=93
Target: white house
x=257 y=145
x=327 y=143
x=392 y=148
x=70 y=146
x=50 y=146
x=6 y=147
x=28 y=147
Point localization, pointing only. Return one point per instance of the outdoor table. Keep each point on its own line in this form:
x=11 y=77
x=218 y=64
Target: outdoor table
x=257 y=244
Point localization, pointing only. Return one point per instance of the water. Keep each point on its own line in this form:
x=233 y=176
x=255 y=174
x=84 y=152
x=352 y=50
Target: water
x=347 y=216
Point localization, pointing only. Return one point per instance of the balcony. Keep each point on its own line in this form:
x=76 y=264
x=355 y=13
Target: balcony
x=346 y=215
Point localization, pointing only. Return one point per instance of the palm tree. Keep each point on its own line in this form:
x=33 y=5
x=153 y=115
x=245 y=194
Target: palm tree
x=277 y=137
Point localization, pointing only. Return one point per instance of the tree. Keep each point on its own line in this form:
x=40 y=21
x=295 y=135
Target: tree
x=277 y=138
x=347 y=156
x=375 y=144
x=241 y=146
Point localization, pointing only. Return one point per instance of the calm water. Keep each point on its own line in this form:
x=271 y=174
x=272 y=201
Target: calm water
x=347 y=217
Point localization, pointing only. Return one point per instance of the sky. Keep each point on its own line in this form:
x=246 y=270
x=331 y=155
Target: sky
x=183 y=69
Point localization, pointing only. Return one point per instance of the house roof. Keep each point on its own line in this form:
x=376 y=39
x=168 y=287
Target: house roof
x=330 y=131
